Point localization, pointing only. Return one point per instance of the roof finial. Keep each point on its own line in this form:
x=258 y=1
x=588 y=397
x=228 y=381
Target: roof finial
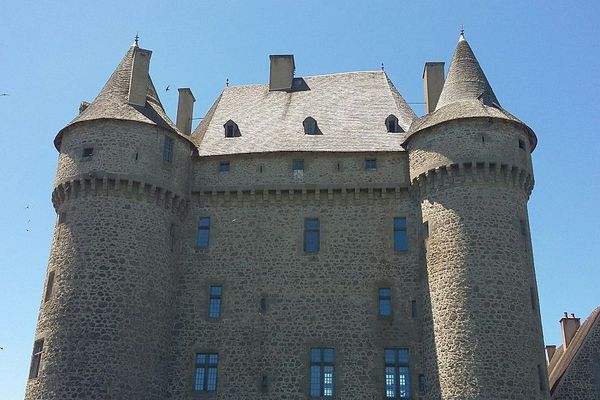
x=382 y=67
x=135 y=40
x=462 y=33
x=227 y=82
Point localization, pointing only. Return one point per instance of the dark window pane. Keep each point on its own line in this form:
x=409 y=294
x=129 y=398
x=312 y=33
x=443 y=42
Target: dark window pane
x=215 y=290
x=199 y=383
x=403 y=356
x=298 y=165
x=315 y=355
x=203 y=232
x=200 y=358
x=224 y=166
x=385 y=292
x=400 y=241
x=399 y=223
x=215 y=308
x=385 y=308
x=204 y=222
x=371 y=164
x=328 y=355
x=311 y=223
x=213 y=358
x=211 y=384
x=390 y=356
x=315 y=380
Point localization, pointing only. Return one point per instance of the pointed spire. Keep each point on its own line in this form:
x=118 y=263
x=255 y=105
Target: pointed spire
x=465 y=80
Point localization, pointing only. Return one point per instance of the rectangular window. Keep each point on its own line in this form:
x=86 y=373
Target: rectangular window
x=523 y=227
x=371 y=164
x=400 y=235
x=206 y=372
x=224 y=166
x=298 y=165
x=49 y=286
x=397 y=385
x=385 y=302
x=413 y=309
x=311 y=235
x=36 y=358
x=322 y=372
x=168 y=149
x=214 y=304
x=88 y=152
x=203 y=233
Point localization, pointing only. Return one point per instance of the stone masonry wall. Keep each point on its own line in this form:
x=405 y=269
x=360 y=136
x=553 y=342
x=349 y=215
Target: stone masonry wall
x=482 y=331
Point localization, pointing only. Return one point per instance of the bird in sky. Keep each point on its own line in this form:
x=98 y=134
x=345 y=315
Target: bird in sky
x=167 y=89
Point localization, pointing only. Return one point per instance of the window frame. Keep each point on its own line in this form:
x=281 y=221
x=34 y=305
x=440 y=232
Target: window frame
x=396 y=127
x=370 y=164
x=215 y=302
x=202 y=228
x=384 y=299
x=299 y=162
x=400 y=234
x=36 y=358
x=206 y=386
x=231 y=129
x=311 y=127
x=312 y=235
x=168 y=149
x=323 y=365
x=400 y=368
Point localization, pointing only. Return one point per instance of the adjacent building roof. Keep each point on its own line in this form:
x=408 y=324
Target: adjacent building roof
x=466 y=94
x=112 y=102
x=350 y=110
x=562 y=360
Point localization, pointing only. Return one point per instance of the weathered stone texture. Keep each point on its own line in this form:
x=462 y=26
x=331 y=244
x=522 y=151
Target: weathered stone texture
x=132 y=150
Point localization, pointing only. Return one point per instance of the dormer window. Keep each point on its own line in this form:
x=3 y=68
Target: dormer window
x=391 y=124
x=231 y=129
x=311 y=127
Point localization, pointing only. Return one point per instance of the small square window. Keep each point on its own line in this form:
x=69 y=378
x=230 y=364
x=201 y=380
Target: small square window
x=88 y=152
x=371 y=164
x=224 y=166
x=298 y=165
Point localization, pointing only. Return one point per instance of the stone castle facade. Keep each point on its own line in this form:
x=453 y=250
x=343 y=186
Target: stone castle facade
x=312 y=238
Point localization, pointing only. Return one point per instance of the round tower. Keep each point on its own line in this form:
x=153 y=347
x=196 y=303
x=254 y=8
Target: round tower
x=121 y=190
x=470 y=168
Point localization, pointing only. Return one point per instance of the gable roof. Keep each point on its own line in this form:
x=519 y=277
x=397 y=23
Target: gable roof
x=562 y=359
x=112 y=102
x=350 y=109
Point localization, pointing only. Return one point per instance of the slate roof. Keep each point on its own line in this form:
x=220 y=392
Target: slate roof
x=350 y=110
x=562 y=359
x=112 y=102
x=466 y=94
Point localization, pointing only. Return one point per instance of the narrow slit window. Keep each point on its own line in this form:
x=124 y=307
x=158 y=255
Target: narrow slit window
x=214 y=303
x=541 y=377
x=312 y=228
x=397 y=384
x=322 y=372
x=523 y=227
x=521 y=144
x=168 y=146
x=36 y=358
x=414 y=312
x=385 y=302
x=422 y=383
x=533 y=297
x=203 y=233
x=49 y=286
x=205 y=379
x=400 y=234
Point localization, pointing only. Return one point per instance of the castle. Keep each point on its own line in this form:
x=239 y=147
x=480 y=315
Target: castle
x=312 y=238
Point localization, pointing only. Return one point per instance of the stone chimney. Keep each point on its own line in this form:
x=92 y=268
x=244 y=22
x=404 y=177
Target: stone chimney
x=550 y=350
x=185 y=110
x=138 y=85
x=569 y=327
x=433 y=78
x=282 y=72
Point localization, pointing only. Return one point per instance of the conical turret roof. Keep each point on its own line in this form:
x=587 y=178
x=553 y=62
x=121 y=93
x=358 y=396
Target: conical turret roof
x=465 y=80
x=112 y=102
x=466 y=94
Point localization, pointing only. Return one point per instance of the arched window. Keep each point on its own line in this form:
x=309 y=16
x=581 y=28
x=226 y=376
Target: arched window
x=391 y=124
x=231 y=129
x=310 y=126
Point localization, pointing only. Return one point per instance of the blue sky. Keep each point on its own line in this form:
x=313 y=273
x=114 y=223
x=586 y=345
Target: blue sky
x=541 y=57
